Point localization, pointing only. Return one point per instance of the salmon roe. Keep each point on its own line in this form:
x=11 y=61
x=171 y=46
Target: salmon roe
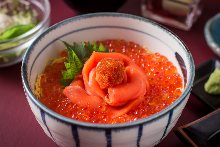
x=165 y=86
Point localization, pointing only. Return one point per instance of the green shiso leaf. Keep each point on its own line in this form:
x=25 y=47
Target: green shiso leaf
x=78 y=54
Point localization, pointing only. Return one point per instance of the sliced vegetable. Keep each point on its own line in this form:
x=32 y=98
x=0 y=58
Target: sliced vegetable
x=15 y=31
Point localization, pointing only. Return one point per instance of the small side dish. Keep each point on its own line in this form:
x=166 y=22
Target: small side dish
x=203 y=73
x=109 y=81
x=212 y=33
x=16 y=19
x=20 y=22
x=201 y=132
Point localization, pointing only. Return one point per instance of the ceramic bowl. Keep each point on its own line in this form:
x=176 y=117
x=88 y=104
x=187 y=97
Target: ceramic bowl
x=98 y=26
x=212 y=33
x=12 y=50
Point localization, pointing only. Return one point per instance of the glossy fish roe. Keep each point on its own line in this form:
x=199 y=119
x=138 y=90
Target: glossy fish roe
x=165 y=86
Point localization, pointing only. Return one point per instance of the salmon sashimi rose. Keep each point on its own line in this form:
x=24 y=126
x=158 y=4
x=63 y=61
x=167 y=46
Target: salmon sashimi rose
x=123 y=93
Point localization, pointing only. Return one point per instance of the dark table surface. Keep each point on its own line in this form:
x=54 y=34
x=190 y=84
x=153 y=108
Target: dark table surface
x=18 y=126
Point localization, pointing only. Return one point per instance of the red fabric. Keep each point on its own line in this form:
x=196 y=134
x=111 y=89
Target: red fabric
x=18 y=126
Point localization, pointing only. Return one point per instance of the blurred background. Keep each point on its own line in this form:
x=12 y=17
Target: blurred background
x=17 y=124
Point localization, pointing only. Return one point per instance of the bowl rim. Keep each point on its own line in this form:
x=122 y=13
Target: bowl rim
x=33 y=30
x=61 y=118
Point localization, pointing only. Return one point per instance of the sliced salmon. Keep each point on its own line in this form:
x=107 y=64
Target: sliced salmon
x=135 y=87
x=119 y=111
x=94 y=88
x=77 y=94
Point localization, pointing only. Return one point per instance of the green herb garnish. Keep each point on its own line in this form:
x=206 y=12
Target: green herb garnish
x=78 y=54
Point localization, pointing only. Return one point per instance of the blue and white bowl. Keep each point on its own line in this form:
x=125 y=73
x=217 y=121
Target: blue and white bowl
x=99 y=26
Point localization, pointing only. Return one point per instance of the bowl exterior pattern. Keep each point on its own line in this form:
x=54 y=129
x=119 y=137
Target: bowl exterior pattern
x=70 y=135
x=99 y=26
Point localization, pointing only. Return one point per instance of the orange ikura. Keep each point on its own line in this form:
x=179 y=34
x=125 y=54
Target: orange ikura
x=124 y=85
